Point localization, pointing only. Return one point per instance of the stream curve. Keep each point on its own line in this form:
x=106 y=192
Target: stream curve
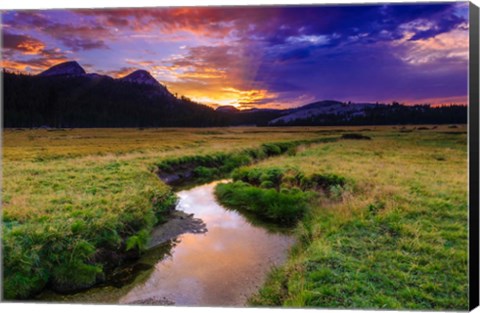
x=218 y=257
x=222 y=267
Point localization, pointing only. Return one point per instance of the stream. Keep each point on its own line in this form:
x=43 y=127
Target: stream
x=223 y=266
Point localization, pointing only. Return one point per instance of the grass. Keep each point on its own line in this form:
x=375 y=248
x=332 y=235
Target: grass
x=284 y=207
x=397 y=240
x=278 y=195
x=394 y=236
x=196 y=169
x=69 y=196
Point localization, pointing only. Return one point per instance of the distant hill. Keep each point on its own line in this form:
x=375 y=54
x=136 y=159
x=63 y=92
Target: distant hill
x=323 y=108
x=331 y=112
x=66 y=96
x=227 y=108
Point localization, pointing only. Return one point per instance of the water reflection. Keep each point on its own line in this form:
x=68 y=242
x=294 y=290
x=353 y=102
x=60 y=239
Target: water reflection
x=222 y=267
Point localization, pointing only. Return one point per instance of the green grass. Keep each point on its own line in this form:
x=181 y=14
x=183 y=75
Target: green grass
x=391 y=234
x=397 y=240
x=69 y=196
x=205 y=168
x=284 y=207
x=279 y=195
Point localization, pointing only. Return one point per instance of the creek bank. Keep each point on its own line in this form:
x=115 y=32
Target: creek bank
x=221 y=267
x=198 y=169
x=179 y=223
x=136 y=238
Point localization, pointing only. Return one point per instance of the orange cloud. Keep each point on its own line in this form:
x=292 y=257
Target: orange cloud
x=33 y=66
x=221 y=74
x=25 y=44
x=124 y=71
x=211 y=22
x=142 y=63
x=31 y=47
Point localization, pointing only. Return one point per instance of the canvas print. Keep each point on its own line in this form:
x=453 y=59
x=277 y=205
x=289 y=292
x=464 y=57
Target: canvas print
x=258 y=156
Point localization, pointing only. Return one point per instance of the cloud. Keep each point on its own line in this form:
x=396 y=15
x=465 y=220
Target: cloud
x=78 y=44
x=75 y=34
x=268 y=56
x=140 y=63
x=122 y=72
x=23 y=53
x=442 y=49
x=47 y=59
x=22 y=43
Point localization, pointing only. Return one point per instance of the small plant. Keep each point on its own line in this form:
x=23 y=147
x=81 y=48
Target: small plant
x=137 y=241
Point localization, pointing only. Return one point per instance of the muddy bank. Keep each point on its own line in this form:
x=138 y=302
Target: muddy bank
x=179 y=223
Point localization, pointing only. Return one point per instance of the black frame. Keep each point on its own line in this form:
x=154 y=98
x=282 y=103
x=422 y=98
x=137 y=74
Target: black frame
x=473 y=124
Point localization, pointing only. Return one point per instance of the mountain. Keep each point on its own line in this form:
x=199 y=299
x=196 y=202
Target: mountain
x=66 y=96
x=331 y=112
x=140 y=77
x=71 y=68
x=143 y=77
x=97 y=76
x=324 y=108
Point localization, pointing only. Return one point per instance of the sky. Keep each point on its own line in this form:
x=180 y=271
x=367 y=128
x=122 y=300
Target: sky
x=259 y=57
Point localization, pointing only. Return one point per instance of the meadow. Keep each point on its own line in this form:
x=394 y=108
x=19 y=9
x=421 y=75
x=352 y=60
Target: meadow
x=392 y=235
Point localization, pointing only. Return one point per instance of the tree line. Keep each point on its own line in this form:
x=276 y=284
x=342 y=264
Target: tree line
x=85 y=101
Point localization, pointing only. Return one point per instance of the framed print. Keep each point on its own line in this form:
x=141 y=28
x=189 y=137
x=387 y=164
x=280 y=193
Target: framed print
x=301 y=156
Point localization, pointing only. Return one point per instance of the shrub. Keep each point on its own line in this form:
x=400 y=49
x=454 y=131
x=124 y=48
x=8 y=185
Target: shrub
x=267 y=184
x=269 y=204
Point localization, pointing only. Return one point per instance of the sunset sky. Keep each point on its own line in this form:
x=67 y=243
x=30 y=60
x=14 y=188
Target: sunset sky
x=259 y=56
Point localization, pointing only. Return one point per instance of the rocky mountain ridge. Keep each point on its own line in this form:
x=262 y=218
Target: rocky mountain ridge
x=72 y=68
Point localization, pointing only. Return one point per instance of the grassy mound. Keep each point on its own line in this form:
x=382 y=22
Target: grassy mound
x=284 y=207
x=279 y=195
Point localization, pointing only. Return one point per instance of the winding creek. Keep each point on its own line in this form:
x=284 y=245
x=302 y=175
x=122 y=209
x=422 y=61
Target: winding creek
x=222 y=265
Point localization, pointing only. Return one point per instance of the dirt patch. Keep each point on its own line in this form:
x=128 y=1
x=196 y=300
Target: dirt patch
x=179 y=223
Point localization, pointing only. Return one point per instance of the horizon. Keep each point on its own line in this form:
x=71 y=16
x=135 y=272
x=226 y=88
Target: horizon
x=259 y=57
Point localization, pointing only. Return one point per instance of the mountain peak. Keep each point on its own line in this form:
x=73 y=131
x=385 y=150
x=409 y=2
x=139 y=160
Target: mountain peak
x=66 y=68
x=141 y=77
